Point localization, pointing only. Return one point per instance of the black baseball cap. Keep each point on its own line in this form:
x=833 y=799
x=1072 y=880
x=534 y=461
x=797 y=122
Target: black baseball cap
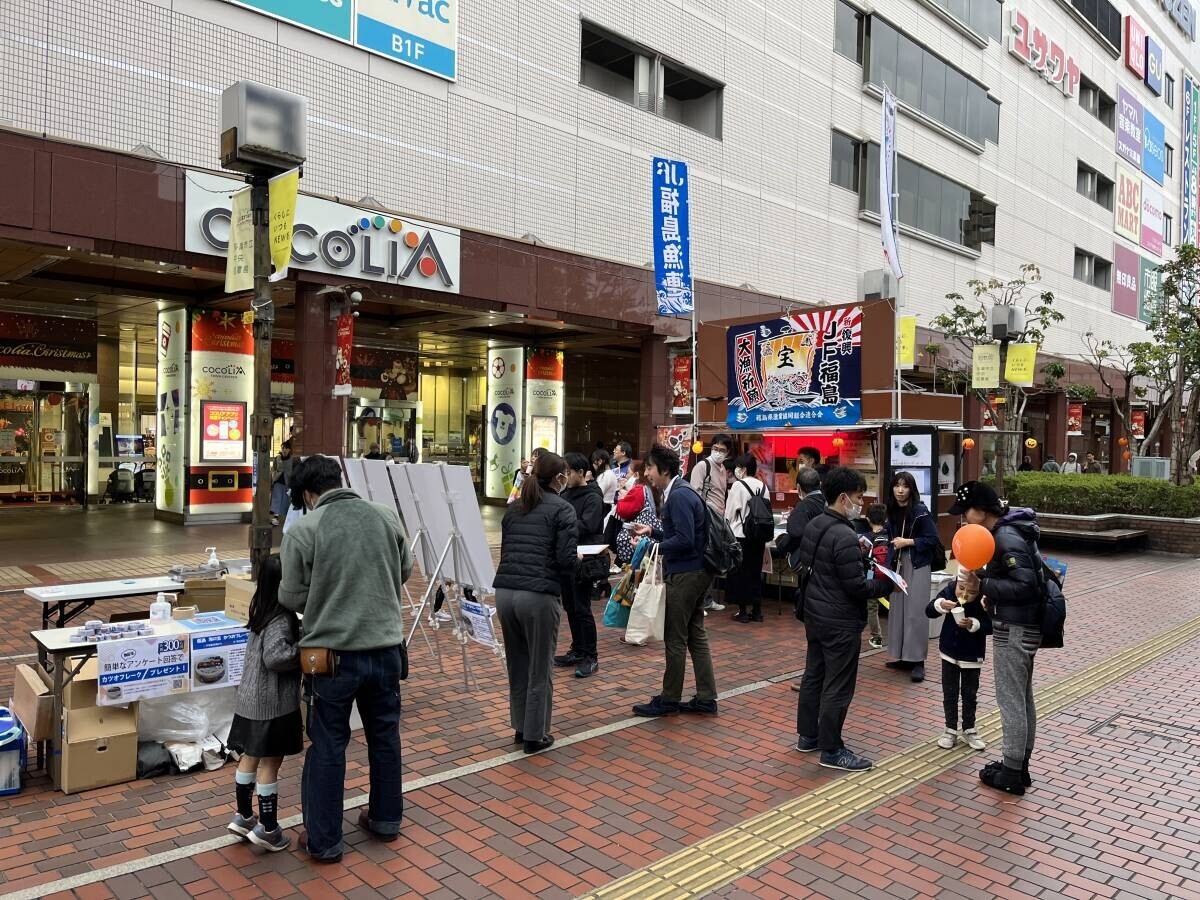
x=976 y=495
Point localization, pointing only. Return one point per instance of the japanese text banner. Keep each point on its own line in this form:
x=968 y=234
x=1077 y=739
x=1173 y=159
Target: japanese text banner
x=672 y=238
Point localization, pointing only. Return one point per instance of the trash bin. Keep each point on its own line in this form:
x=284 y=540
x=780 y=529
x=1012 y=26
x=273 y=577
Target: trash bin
x=12 y=752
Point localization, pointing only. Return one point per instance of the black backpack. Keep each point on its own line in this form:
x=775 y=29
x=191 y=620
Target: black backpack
x=722 y=552
x=1053 y=605
x=759 y=524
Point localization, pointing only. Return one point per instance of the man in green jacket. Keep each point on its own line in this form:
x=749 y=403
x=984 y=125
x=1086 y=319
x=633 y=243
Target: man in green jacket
x=344 y=568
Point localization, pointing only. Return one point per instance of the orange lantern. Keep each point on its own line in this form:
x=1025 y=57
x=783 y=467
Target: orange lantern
x=1123 y=441
x=968 y=443
x=698 y=447
x=838 y=443
x=973 y=546
x=1030 y=443
x=1127 y=456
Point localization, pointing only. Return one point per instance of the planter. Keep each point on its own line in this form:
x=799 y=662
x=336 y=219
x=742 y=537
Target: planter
x=1162 y=534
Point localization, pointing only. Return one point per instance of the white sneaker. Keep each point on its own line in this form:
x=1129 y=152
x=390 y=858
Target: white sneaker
x=948 y=739
x=974 y=741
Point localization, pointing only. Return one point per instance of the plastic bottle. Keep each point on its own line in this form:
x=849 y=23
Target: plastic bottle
x=213 y=559
x=160 y=609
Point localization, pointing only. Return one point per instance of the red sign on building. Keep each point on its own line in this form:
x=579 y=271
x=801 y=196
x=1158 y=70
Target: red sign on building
x=1135 y=47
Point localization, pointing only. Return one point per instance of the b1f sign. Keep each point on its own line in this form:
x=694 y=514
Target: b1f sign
x=419 y=33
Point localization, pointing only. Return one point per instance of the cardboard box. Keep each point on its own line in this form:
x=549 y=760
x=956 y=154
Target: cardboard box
x=99 y=748
x=206 y=594
x=33 y=703
x=81 y=692
x=239 y=591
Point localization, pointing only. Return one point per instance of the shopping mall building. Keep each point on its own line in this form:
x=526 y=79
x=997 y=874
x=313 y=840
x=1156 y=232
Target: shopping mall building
x=480 y=173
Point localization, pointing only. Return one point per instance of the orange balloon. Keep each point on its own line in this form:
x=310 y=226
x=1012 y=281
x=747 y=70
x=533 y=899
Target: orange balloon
x=973 y=546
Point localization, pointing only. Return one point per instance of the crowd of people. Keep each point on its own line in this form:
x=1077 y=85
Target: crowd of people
x=349 y=647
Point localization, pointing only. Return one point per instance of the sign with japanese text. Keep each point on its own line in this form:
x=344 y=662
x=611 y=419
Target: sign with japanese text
x=1151 y=290
x=887 y=184
x=1033 y=46
x=672 y=238
x=1074 y=418
x=1154 y=67
x=1129 y=127
x=985 y=366
x=545 y=399
x=681 y=384
x=222 y=431
x=1128 y=212
x=1189 y=160
x=1135 y=47
x=1154 y=146
x=218 y=658
x=801 y=370
x=1137 y=424
x=1126 y=274
x=1020 y=364
x=1152 y=220
x=282 y=193
x=343 y=354
x=142 y=667
x=239 y=262
x=906 y=342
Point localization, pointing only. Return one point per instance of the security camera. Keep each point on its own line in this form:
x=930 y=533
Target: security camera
x=355 y=314
x=356 y=297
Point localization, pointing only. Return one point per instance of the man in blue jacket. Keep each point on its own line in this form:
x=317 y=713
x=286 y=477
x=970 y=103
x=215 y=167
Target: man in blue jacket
x=683 y=537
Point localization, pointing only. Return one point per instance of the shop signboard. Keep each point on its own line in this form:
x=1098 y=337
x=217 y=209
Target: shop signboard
x=681 y=384
x=172 y=409
x=1126 y=281
x=141 y=668
x=47 y=348
x=506 y=415
x=672 y=237
x=422 y=34
x=1135 y=47
x=1151 y=290
x=222 y=431
x=1154 y=67
x=1128 y=213
x=1152 y=220
x=1033 y=46
x=1137 y=424
x=802 y=370
x=545 y=400
x=1129 y=127
x=1154 y=152
x=218 y=658
x=348 y=241
x=1074 y=419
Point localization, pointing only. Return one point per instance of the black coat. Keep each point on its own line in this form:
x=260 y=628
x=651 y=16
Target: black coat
x=1010 y=580
x=588 y=502
x=958 y=643
x=838 y=587
x=538 y=548
x=803 y=513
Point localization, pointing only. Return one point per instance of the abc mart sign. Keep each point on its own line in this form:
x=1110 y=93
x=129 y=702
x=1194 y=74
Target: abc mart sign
x=333 y=238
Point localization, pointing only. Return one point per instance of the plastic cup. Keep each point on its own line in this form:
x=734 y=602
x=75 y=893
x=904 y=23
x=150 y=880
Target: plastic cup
x=959 y=613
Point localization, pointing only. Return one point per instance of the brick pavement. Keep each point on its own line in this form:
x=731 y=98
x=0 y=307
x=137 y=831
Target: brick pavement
x=583 y=814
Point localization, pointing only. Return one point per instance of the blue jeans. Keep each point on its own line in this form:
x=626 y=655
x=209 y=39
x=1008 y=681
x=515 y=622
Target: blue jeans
x=372 y=678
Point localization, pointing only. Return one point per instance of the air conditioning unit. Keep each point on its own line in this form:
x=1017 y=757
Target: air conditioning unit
x=1151 y=467
x=879 y=283
x=1007 y=322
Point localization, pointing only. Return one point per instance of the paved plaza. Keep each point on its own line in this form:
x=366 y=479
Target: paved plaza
x=687 y=807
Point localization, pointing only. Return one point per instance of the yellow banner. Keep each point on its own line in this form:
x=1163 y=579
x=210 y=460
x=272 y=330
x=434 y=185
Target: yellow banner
x=283 y=190
x=985 y=366
x=906 y=343
x=1020 y=365
x=239 y=264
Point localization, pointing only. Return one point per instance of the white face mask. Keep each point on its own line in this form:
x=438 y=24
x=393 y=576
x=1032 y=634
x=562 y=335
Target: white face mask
x=853 y=510
x=739 y=473
x=718 y=456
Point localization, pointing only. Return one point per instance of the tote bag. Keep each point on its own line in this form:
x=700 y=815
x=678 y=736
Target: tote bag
x=648 y=615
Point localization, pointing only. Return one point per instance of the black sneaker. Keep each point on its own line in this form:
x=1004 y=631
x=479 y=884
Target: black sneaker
x=806 y=744
x=918 y=673
x=538 y=746
x=587 y=667
x=1002 y=778
x=570 y=658
x=699 y=707
x=846 y=760
x=899 y=664
x=656 y=707
x=1025 y=779
x=740 y=617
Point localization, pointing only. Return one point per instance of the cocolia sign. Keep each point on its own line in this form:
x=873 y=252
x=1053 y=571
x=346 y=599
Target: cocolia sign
x=334 y=238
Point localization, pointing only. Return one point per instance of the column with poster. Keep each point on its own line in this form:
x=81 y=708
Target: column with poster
x=506 y=417
x=342 y=357
x=169 y=488
x=544 y=400
x=681 y=384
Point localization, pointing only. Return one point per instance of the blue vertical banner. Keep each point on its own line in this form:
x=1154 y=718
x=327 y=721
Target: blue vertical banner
x=672 y=238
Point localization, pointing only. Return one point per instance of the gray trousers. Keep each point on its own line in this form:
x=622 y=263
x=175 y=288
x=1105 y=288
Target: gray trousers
x=1013 y=650
x=529 y=623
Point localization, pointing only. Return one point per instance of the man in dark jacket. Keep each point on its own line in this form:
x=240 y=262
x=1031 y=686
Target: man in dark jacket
x=587 y=500
x=835 y=614
x=1011 y=592
x=683 y=537
x=811 y=505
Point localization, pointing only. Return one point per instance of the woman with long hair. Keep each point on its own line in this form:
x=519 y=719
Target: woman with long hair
x=913 y=533
x=537 y=554
x=641 y=505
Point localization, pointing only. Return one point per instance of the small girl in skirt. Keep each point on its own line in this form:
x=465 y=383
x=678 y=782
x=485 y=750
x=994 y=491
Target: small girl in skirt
x=266 y=716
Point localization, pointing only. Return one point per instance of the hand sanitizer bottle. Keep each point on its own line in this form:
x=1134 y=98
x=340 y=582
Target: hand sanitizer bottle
x=213 y=559
x=160 y=609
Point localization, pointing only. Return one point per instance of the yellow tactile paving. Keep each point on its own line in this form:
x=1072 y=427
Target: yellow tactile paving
x=728 y=855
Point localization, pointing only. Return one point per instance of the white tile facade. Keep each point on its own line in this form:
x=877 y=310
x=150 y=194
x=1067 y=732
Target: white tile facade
x=518 y=147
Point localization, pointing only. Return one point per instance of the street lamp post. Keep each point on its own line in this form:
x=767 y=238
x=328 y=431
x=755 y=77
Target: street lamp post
x=261 y=532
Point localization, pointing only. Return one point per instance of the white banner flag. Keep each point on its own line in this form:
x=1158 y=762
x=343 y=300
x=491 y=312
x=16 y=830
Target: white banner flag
x=887 y=184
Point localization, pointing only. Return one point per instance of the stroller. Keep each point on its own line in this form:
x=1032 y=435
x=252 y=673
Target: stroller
x=143 y=481
x=121 y=487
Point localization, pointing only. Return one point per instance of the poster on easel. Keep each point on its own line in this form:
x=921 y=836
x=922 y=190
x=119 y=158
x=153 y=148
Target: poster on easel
x=477 y=623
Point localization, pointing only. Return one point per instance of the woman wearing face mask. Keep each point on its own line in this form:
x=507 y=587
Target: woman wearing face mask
x=537 y=554
x=914 y=536
x=744 y=585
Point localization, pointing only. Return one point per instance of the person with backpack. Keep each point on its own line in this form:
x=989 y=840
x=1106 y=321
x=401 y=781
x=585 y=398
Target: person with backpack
x=711 y=481
x=914 y=537
x=684 y=539
x=1011 y=587
x=748 y=511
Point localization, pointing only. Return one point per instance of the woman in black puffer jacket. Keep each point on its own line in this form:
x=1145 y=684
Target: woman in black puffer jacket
x=537 y=554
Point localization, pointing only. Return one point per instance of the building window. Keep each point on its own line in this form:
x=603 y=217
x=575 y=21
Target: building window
x=643 y=78
x=1094 y=186
x=1097 y=103
x=1169 y=90
x=1169 y=165
x=1167 y=229
x=848 y=35
x=927 y=83
x=1102 y=16
x=843 y=169
x=1092 y=269
x=982 y=16
x=932 y=203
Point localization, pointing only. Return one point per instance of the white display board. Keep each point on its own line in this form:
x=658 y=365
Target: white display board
x=434 y=502
x=423 y=549
x=356 y=477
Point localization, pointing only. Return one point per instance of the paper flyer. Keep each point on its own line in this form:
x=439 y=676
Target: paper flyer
x=477 y=622
x=218 y=658
x=140 y=668
x=895 y=577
